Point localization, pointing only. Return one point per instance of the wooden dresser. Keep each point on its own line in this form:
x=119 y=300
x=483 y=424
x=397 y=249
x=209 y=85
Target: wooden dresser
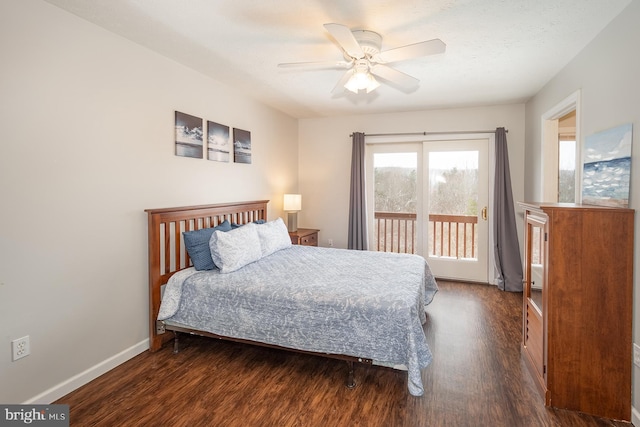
x=577 y=306
x=304 y=236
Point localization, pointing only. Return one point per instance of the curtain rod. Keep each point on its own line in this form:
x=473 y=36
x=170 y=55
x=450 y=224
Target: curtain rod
x=432 y=133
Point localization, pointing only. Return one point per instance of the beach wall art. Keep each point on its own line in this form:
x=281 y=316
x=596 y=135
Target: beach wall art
x=218 y=145
x=188 y=135
x=606 y=167
x=241 y=146
x=189 y=140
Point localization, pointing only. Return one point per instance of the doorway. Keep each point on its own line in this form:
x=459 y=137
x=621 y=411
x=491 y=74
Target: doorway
x=431 y=198
x=457 y=202
x=561 y=155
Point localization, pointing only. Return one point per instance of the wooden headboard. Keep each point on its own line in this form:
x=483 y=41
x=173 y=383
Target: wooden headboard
x=166 y=246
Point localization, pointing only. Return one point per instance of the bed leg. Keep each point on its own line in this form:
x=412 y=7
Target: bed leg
x=176 y=347
x=351 y=382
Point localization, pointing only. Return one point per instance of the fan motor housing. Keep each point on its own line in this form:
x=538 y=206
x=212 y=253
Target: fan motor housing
x=369 y=41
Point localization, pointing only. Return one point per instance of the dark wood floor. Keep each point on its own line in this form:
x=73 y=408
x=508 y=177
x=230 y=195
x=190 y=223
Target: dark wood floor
x=477 y=378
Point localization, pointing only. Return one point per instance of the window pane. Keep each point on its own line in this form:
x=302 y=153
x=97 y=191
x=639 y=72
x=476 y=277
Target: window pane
x=453 y=204
x=395 y=186
x=567 y=172
x=395 y=182
x=453 y=183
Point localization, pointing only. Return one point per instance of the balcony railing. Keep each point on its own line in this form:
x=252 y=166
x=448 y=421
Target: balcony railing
x=451 y=236
x=395 y=232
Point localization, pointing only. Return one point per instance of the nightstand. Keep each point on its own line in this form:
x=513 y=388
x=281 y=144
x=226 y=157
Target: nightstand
x=304 y=236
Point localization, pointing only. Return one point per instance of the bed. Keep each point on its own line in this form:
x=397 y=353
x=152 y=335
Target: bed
x=359 y=306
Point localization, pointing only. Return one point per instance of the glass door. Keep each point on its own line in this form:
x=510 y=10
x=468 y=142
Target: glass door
x=534 y=283
x=394 y=195
x=456 y=199
x=431 y=198
x=534 y=265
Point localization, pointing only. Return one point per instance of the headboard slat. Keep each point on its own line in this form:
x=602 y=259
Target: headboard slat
x=167 y=246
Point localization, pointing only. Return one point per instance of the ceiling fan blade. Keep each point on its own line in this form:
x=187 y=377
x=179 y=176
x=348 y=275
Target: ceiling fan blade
x=345 y=39
x=430 y=47
x=317 y=64
x=404 y=81
x=339 y=88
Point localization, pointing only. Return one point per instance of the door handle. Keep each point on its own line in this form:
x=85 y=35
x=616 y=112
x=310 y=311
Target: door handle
x=484 y=213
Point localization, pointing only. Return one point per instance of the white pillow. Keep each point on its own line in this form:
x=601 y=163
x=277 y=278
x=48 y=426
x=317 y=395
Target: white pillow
x=232 y=250
x=273 y=236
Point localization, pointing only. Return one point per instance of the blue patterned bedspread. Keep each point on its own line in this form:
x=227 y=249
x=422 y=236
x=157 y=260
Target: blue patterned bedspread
x=337 y=301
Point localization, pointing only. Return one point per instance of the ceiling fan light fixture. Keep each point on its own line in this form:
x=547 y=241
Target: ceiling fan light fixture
x=364 y=58
x=373 y=83
x=361 y=80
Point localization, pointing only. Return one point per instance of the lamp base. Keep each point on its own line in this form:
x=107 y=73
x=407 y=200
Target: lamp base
x=292 y=221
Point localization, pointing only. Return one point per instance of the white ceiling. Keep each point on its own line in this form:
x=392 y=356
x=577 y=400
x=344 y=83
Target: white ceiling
x=498 y=51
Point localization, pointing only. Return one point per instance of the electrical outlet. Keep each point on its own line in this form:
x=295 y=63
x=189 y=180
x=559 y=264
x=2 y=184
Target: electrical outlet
x=330 y=242
x=20 y=348
x=636 y=355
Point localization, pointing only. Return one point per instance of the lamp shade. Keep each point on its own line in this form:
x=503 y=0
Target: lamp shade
x=292 y=202
x=361 y=80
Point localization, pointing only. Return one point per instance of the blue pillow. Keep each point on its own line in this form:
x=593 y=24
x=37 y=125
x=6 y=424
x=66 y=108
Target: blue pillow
x=197 y=245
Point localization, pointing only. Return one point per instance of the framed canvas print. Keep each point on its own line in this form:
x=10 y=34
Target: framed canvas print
x=606 y=168
x=218 y=146
x=241 y=146
x=188 y=136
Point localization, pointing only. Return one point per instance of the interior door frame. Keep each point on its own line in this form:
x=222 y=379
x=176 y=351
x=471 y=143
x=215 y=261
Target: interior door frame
x=451 y=136
x=549 y=148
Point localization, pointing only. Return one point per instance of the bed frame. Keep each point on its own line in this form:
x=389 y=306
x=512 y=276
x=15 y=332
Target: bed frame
x=167 y=255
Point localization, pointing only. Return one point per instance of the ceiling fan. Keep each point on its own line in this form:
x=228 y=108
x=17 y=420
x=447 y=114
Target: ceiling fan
x=365 y=61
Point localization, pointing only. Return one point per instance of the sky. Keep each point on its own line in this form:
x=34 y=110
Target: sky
x=461 y=159
x=609 y=144
x=439 y=160
x=567 y=155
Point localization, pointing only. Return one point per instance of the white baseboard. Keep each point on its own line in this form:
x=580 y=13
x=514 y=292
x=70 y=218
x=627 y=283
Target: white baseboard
x=67 y=386
x=635 y=416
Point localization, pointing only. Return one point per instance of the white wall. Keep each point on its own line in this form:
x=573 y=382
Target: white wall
x=325 y=156
x=86 y=145
x=607 y=72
